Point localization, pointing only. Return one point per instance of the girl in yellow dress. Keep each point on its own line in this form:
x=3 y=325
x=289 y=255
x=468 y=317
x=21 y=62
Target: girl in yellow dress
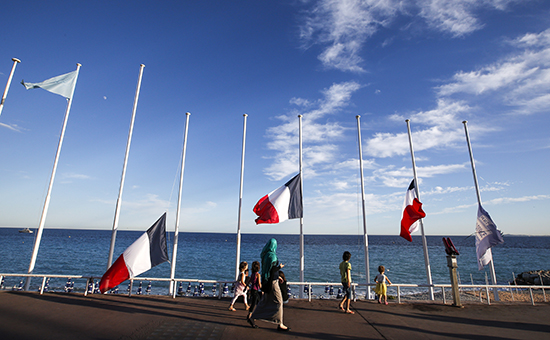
x=381 y=288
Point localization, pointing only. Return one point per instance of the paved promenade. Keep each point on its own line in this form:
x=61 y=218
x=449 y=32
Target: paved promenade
x=28 y=315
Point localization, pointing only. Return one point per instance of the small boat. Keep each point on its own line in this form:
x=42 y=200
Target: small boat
x=26 y=231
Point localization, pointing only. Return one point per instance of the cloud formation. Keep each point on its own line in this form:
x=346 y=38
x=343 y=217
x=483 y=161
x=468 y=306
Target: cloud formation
x=318 y=133
x=342 y=27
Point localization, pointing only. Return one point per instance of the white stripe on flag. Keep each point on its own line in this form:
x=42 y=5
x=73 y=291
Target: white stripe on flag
x=137 y=256
x=280 y=199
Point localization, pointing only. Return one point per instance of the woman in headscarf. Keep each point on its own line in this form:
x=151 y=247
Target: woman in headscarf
x=270 y=308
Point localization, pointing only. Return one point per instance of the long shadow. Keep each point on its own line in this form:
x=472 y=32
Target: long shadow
x=425 y=315
x=134 y=306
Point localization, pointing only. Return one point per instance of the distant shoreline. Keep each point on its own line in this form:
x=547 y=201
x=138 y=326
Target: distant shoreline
x=244 y=233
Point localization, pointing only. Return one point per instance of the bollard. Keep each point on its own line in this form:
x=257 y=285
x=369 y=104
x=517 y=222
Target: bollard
x=225 y=289
x=214 y=289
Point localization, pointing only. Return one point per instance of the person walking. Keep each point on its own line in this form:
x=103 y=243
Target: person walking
x=270 y=308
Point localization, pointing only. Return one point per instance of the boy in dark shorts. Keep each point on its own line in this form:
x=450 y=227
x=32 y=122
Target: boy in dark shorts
x=345 y=273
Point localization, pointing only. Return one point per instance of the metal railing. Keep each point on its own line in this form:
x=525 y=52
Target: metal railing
x=307 y=285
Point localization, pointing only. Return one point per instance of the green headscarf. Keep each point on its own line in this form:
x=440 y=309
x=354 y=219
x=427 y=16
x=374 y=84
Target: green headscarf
x=269 y=258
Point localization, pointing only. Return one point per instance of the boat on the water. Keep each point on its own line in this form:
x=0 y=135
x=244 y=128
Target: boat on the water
x=26 y=231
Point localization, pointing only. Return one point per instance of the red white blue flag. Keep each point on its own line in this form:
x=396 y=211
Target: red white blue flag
x=281 y=204
x=146 y=252
x=412 y=212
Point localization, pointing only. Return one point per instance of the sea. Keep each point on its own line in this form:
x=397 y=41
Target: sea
x=212 y=256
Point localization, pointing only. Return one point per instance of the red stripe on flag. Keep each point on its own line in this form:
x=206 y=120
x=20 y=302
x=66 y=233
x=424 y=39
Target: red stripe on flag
x=411 y=214
x=266 y=211
x=115 y=275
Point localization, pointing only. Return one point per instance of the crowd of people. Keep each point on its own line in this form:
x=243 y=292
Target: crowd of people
x=265 y=291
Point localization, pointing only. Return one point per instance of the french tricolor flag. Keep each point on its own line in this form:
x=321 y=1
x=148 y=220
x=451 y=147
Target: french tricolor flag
x=146 y=252
x=412 y=212
x=281 y=204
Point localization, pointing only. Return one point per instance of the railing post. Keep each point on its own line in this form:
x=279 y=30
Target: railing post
x=531 y=293
x=86 y=287
x=398 y=294
x=42 y=286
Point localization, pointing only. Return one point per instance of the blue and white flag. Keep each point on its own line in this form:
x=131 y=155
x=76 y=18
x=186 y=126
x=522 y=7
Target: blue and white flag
x=62 y=85
x=487 y=235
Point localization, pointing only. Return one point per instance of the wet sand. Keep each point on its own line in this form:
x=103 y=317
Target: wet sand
x=28 y=315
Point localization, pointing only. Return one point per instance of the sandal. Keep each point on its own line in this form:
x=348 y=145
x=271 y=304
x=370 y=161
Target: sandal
x=232 y=309
x=350 y=312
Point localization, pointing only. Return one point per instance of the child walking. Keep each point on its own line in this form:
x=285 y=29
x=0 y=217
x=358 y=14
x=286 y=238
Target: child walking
x=381 y=288
x=345 y=273
x=240 y=288
x=255 y=286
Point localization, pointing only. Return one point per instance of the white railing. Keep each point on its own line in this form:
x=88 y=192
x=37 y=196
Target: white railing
x=308 y=285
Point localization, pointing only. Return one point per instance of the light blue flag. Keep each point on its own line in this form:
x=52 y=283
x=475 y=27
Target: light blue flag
x=62 y=85
x=487 y=235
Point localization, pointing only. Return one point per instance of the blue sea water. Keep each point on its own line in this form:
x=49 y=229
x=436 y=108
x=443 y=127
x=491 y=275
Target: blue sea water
x=211 y=256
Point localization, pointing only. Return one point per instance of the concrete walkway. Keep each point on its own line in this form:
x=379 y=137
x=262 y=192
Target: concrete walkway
x=28 y=315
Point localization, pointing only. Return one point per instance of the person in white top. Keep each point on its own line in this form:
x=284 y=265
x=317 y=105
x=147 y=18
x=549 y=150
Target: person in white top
x=240 y=288
x=381 y=288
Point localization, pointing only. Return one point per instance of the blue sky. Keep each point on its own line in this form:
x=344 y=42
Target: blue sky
x=435 y=62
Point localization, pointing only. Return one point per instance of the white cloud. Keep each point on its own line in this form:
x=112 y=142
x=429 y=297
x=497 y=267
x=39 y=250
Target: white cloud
x=521 y=80
x=70 y=175
x=12 y=127
x=344 y=26
x=318 y=136
x=451 y=16
x=443 y=131
x=507 y=200
x=401 y=177
x=496 y=201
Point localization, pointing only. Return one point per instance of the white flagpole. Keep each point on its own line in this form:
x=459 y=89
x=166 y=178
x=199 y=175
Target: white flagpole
x=491 y=264
x=15 y=61
x=424 y=243
x=119 y=199
x=176 y=228
x=365 y=235
x=52 y=177
x=302 y=278
x=238 y=257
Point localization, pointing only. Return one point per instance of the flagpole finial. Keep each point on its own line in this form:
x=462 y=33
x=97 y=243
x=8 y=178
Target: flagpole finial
x=464 y=121
x=358 y=116
x=141 y=65
x=187 y=113
x=245 y=115
x=78 y=64
x=16 y=60
x=299 y=116
x=407 y=120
